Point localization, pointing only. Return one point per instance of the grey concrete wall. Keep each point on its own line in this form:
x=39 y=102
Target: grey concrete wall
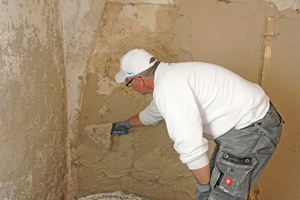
x=33 y=101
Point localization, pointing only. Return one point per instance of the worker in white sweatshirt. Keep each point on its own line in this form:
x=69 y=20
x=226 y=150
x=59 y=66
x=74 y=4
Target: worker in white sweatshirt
x=201 y=101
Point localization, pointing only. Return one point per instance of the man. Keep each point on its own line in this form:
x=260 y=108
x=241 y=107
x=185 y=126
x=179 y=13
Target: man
x=201 y=101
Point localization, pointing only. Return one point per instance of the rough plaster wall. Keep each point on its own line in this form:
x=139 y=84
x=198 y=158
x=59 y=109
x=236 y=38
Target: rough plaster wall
x=33 y=101
x=228 y=33
x=286 y=4
x=80 y=22
x=232 y=35
x=144 y=162
x=284 y=88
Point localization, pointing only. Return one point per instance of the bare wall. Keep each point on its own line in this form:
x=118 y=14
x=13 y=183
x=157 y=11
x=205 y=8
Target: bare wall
x=33 y=101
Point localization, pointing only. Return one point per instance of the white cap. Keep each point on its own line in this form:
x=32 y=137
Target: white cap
x=133 y=63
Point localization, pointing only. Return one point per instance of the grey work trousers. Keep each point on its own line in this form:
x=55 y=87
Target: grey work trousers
x=241 y=155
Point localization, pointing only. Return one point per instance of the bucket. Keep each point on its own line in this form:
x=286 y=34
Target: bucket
x=113 y=196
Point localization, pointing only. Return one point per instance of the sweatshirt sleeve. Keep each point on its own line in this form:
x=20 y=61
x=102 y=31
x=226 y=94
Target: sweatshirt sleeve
x=150 y=115
x=184 y=124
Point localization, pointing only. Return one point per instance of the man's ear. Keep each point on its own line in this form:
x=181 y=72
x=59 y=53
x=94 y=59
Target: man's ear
x=140 y=81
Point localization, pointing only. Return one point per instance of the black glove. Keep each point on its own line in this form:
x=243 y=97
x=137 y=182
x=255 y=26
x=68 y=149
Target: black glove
x=120 y=128
x=202 y=191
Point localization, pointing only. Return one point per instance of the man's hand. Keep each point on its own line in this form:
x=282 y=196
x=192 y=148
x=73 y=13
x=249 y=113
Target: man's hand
x=120 y=128
x=202 y=191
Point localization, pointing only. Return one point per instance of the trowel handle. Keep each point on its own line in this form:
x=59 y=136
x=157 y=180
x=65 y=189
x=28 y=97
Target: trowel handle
x=120 y=128
x=118 y=133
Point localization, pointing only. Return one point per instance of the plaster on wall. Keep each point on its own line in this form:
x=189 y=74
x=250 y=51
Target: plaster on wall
x=79 y=26
x=285 y=4
x=124 y=168
x=228 y=33
x=32 y=73
x=33 y=101
x=104 y=168
x=233 y=35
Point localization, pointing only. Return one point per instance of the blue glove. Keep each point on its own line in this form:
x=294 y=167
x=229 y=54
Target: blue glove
x=202 y=191
x=120 y=128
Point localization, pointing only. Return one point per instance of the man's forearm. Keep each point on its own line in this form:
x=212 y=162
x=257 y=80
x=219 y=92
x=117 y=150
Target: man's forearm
x=135 y=121
x=202 y=175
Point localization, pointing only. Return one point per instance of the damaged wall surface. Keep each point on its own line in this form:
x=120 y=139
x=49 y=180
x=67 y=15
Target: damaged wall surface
x=125 y=166
x=228 y=33
x=80 y=22
x=33 y=101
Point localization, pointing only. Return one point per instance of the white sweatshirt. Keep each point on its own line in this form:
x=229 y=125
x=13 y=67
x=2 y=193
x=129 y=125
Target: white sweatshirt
x=200 y=101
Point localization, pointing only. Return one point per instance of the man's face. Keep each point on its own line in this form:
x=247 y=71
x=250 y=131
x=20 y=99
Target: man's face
x=138 y=84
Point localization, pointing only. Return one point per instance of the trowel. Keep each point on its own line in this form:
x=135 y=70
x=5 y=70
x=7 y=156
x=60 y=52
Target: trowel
x=119 y=132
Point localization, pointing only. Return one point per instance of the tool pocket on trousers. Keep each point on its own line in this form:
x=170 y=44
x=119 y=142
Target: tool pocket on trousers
x=231 y=174
x=269 y=139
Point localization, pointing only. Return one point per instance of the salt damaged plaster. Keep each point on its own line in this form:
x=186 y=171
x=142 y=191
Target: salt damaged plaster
x=80 y=22
x=33 y=101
